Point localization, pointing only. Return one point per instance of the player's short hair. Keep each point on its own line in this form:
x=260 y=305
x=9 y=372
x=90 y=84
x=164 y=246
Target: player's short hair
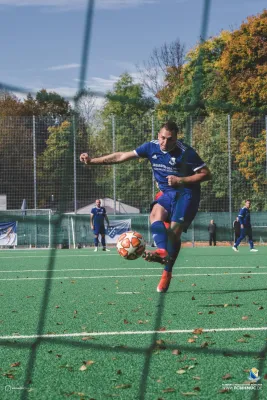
x=248 y=201
x=171 y=127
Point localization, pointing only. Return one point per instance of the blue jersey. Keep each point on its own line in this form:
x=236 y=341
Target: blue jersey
x=244 y=217
x=99 y=214
x=181 y=161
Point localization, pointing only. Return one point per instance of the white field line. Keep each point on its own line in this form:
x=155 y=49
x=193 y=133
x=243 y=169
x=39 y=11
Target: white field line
x=66 y=256
x=127 y=276
x=173 y=331
x=122 y=269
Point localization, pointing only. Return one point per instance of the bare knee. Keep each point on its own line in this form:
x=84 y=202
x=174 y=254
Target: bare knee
x=158 y=213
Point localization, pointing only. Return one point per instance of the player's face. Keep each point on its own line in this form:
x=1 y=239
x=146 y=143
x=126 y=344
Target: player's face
x=167 y=141
x=98 y=203
x=248 y=204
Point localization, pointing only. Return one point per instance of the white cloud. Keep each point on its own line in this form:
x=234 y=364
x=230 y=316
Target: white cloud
x=67 y=5
x=61 y=67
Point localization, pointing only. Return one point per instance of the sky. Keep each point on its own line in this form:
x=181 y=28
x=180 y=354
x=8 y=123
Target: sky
x=41 y=41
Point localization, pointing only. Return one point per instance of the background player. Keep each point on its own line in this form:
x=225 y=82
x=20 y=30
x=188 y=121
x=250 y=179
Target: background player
x=178 y=170
x=245 y=225
x=98 y=216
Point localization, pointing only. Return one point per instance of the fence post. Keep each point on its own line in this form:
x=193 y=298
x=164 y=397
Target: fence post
x=34 y=163
x=153 y=137
x=34 y=177
x=266 y=144
x=191 y=144
x=74 y=164
x=114 y=166
x=229 y=172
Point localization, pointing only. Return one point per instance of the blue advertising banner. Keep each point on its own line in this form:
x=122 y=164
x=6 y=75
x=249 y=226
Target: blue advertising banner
x=8 y=234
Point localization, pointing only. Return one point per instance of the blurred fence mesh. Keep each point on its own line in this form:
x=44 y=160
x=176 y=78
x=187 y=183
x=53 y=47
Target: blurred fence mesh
x=40 y=164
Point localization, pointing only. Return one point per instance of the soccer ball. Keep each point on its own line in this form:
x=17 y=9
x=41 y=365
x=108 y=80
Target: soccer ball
x=131 y=245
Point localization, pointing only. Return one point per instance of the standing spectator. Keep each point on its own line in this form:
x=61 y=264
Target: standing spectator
x=212 y=232
x=98 y=216
x=236 y=226
x=245 y=225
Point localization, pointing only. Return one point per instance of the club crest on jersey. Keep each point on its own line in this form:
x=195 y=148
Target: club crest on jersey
x=154 y=157
x=172 y=161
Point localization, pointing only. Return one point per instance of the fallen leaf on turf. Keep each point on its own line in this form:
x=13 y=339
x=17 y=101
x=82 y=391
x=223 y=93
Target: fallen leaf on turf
x=197 y=388
x=227 y=376
x=123 y=386
x=191 y=340
x=88 y=338
x=224 y=390
x=200 y=313
x=10 y=376
x=211 y=312
x=190 y=367
x=16 y=364
x=193 y=298
x=181 y=371
x=248 y=335
x=176 y=352
x=265 y=376
x=245 y=318
x=126 y=321
x=90 y=362
x=119 y=372
x=189 y=394
x=260 y=308
x=160 y=341
x=204 y=344
x=168 y=390
x=196 y=378
x=83 y=368
x=198 y=331
x=225 y=305
x=162 y=329
x=59 y=323
x=193 y=284
x=246 y=370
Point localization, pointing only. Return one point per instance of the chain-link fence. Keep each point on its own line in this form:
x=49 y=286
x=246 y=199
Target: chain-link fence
x=40 y=164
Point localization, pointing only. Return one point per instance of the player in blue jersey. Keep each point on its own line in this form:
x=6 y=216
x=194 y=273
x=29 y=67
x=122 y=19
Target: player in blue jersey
x=98 y=216
x=178 y=171
x=245 y=225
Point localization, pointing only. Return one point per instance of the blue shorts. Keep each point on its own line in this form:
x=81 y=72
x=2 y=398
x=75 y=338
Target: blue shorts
x=99 y=230
x=182 y=207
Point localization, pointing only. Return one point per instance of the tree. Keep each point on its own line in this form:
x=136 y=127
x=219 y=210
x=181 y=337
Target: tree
x=169 y=58
x=127 y=114
x=49 y=104
x=85 y=105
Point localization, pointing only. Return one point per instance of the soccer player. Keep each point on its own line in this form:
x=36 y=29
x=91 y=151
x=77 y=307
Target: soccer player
x=98 y=216
x=212 y=232
x=178 y=170
x=245 y=225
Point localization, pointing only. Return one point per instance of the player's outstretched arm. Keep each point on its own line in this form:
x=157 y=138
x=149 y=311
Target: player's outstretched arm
x=114 y=158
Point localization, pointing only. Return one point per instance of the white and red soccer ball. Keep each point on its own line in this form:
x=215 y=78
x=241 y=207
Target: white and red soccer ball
x=131 y=245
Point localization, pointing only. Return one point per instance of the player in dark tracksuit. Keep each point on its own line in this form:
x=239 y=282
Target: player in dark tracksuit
x=98 y=216
x=245 y=225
